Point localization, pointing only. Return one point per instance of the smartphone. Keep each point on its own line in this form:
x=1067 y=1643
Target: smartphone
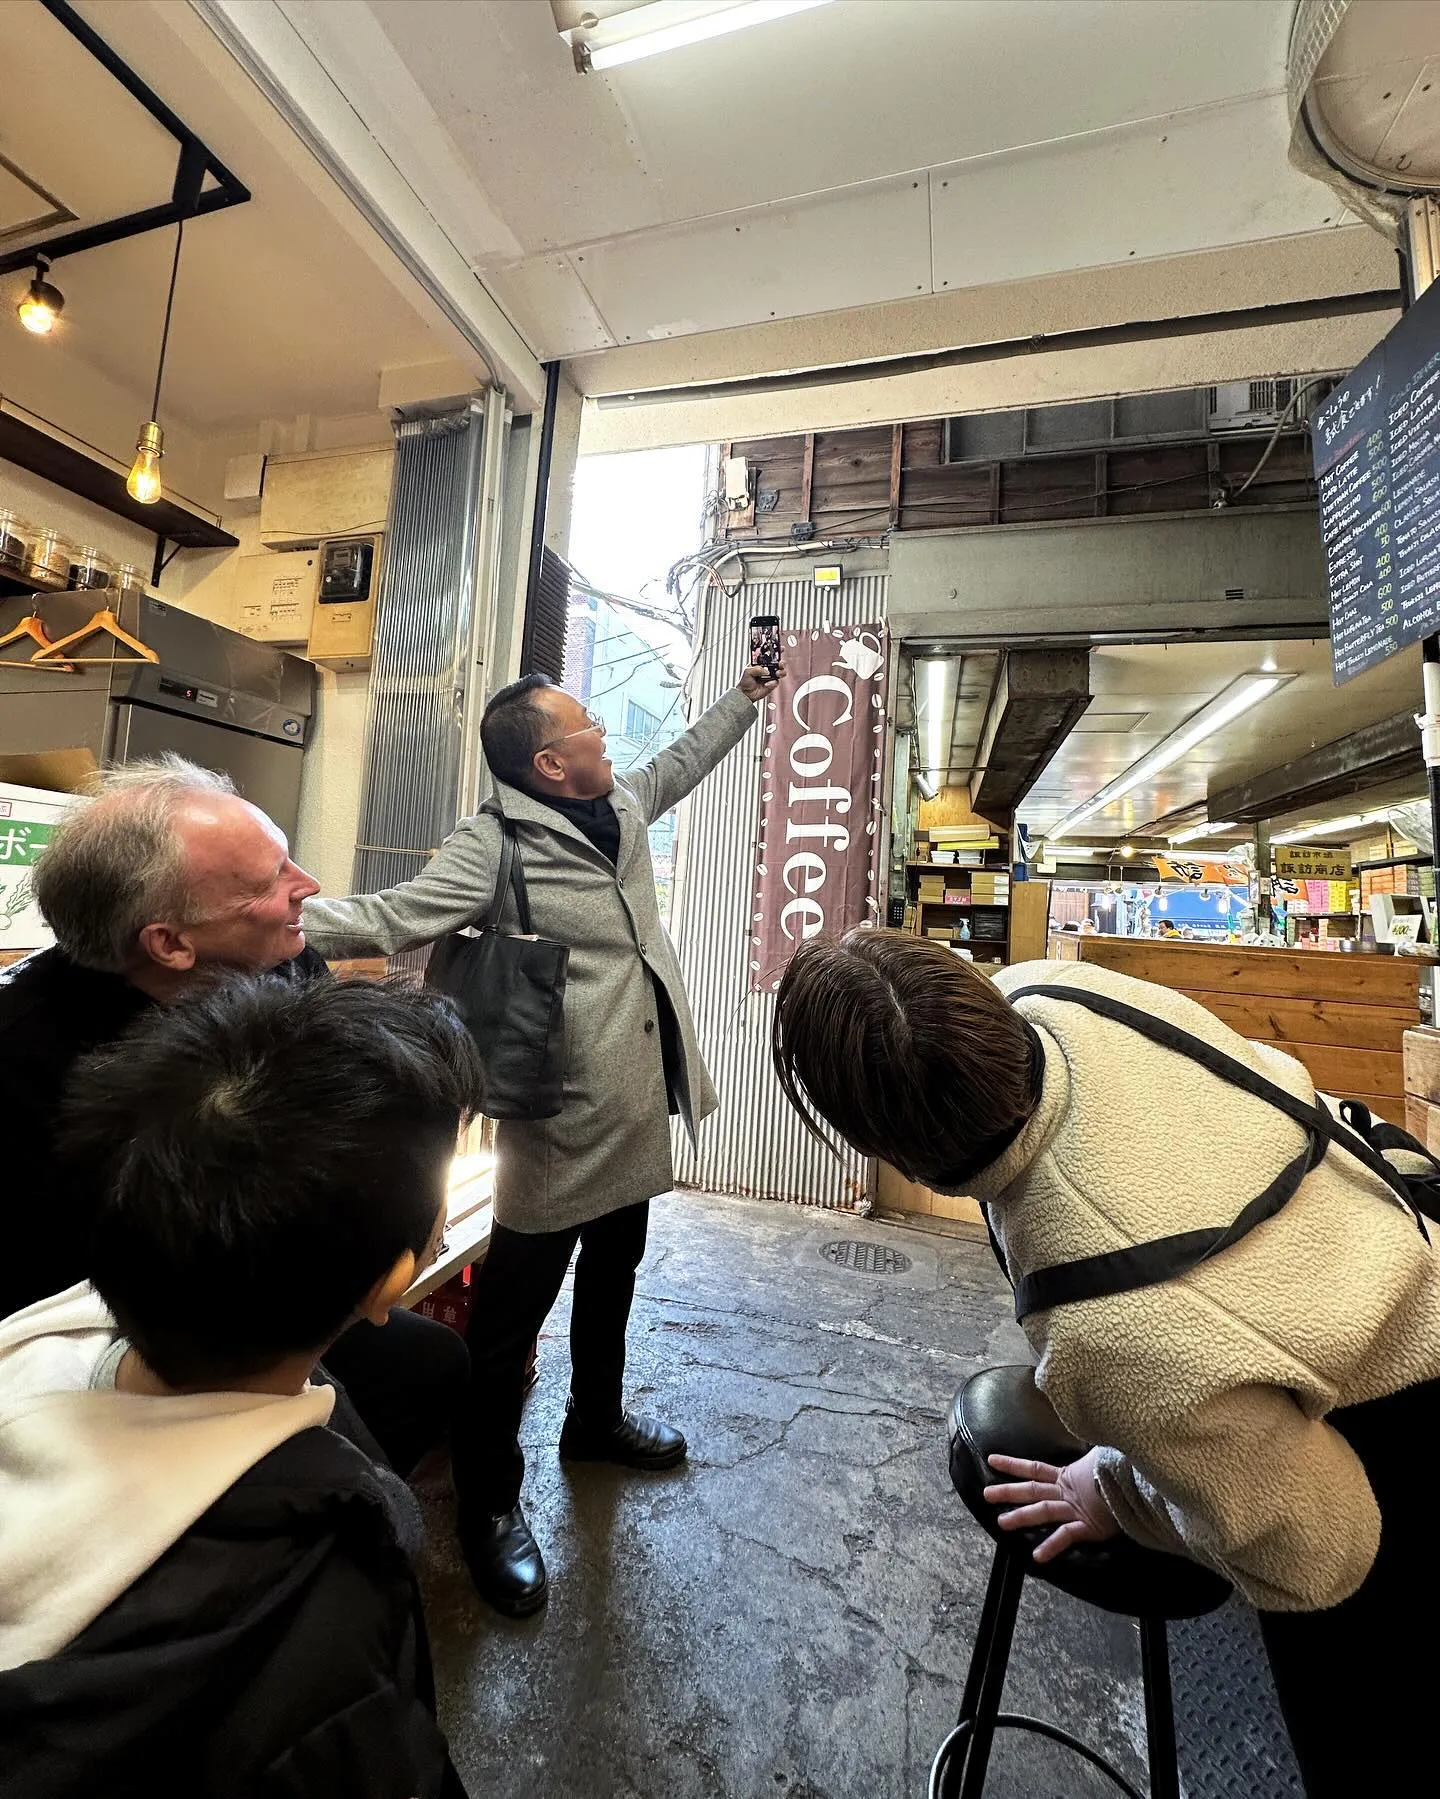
x=765 y=642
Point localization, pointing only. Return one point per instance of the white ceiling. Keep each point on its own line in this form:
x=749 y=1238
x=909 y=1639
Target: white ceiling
x=856 y=153
x=279 y=310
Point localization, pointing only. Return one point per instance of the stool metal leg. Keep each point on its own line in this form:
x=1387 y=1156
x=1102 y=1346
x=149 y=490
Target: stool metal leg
x=1161 y=1752
x=985 y=1683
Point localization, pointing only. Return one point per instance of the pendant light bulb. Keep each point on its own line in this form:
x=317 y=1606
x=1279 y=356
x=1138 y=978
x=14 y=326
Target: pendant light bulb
x=143 y=482
x=43 y=302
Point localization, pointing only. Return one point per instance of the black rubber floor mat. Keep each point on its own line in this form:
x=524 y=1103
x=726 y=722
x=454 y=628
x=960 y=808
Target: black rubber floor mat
x=1227 y=1719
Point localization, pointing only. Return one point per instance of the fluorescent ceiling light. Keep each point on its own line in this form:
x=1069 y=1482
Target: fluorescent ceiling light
x=686 y=31
x=1353 y=823
x=1196 y=832
x=1238 y=697
x=936 y=763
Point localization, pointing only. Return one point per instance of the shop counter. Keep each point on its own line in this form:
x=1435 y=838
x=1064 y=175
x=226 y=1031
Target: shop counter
x=1343 y=1016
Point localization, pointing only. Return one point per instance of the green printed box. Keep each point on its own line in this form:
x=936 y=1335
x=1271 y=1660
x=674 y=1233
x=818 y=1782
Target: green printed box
x=28 y=817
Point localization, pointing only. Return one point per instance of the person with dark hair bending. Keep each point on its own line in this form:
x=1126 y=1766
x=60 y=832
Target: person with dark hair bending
x=587 y=1175
x=204 y=1574
x=1264 y=1411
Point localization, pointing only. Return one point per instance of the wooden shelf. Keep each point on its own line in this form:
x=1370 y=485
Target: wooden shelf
x=984 y=906
x=12 y=583
x=54 y=460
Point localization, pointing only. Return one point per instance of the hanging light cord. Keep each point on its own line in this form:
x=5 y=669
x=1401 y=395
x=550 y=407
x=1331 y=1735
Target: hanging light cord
x=165 y=333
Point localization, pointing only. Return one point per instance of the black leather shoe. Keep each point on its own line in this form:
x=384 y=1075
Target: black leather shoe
x=632 y=1442
x=505 y=1563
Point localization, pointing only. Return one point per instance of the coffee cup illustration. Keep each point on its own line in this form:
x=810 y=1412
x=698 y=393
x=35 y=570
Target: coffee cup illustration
x=861 y=654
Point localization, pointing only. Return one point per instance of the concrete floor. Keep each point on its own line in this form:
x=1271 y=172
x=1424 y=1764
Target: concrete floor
x=790 y=1614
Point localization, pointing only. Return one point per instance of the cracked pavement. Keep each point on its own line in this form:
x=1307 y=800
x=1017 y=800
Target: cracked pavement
x=791 y=1613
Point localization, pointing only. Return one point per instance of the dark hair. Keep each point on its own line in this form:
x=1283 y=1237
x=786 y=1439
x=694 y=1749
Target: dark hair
x=261 y=1155
x=514 y=726
x=905 y=1048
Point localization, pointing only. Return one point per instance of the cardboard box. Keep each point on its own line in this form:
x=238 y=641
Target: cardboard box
x=341 y=633
x=275 y=596
x=451 y=1303
x=28 y=815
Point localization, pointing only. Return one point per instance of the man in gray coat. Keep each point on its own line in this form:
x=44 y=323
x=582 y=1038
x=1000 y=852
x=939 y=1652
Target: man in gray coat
x=587 y=1175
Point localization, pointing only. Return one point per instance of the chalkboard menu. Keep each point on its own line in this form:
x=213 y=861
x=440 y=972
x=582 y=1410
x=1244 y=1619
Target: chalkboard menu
x=1377 y=460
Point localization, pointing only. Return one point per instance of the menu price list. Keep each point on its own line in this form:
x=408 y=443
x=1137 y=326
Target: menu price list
x=1377 y=463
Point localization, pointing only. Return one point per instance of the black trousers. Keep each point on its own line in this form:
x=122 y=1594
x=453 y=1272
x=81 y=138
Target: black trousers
x=514 y=1290
x=1356 y=1682
x=407 y=1379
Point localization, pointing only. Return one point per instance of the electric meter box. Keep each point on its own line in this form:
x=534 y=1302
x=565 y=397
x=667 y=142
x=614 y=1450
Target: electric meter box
x=342 y=625
x=275 y=596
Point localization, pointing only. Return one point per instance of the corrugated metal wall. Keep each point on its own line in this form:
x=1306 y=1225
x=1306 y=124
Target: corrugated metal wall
x=414 y=731
x=755 y=1144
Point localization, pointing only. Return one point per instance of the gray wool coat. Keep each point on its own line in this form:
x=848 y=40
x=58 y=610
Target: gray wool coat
x=610 y=1144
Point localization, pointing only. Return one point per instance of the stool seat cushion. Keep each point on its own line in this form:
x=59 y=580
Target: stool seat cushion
x=1000 y=1411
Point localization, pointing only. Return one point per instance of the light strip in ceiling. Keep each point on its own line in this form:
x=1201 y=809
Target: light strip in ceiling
x=1238 y=697
x=935 y=759
x=1351 y=823
x=694 y=31
x=1196 y=832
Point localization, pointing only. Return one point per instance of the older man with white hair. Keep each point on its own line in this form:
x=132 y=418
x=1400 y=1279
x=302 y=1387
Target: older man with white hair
x=167 y=880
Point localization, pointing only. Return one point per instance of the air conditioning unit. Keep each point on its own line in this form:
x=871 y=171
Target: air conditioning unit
x=1249 y=405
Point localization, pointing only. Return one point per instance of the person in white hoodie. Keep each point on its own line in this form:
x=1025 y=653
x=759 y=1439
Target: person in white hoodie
x=204 y=1580
x=1262 y=1394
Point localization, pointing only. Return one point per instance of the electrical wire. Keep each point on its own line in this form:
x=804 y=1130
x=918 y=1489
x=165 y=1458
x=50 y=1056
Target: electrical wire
x=1295 y=400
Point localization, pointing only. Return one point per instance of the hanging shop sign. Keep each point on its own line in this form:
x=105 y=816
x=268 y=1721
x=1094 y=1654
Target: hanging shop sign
x=1196 y=873
x=1323 y=862
x=817 y=858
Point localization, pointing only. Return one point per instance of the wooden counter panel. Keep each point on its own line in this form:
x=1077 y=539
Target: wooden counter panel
x=1287 y=1022
x=1348 y=1073
x=1299 y=974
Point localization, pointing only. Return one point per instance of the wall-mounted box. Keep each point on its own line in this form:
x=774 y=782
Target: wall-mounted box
x=275 y=596
x=344 y=493
x=342 y=625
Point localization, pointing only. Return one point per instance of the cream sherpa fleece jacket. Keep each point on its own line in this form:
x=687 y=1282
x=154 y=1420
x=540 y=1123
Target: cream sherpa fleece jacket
x=1210 y=1392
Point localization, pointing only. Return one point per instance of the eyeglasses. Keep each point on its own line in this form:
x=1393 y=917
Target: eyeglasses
x=596 y=724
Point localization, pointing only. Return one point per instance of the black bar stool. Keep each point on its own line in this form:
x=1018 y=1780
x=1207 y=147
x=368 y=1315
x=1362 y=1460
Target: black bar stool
x=1001 y=1411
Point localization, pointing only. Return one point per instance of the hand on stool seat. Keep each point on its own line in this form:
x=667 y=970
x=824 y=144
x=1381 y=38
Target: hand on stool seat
x=1068 y=1497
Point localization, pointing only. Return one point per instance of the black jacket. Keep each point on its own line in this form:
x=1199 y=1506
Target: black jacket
x=52 y=1012
x=276 y=1651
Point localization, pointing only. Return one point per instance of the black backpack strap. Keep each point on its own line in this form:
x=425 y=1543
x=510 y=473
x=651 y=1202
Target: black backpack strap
x=1167 y=1258
x=1163 y=1258
x=1169 y=1036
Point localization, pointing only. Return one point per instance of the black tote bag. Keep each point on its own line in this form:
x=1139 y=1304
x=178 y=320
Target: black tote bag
x=510 y=991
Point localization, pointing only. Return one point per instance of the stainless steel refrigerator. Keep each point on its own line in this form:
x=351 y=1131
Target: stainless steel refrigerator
x=215 y=697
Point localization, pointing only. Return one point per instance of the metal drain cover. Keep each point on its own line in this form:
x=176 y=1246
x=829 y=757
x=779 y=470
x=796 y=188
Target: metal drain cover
x=865 y=1258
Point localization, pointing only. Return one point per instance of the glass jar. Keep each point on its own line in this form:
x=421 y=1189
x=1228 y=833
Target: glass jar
x=130 y=581
x=49 y=557
x=88 y=568
x=15 y=539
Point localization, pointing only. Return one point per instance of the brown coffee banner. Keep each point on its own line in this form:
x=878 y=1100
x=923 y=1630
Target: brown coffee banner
x=817 y=858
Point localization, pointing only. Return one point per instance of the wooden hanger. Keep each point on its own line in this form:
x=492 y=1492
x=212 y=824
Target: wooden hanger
x=103 y=620
x=31 y=629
